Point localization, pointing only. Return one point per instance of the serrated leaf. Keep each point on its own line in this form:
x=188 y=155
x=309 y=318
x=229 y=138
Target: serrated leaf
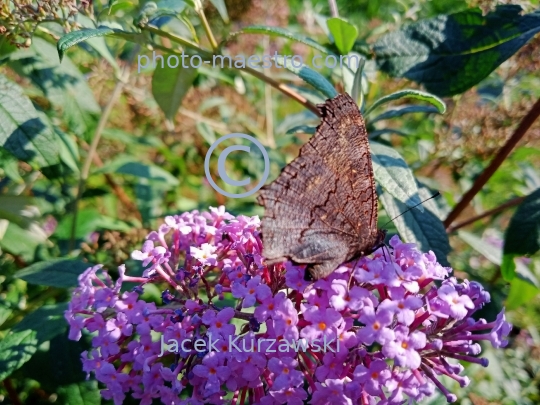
x=22 y=132
x=60 y=273
x=449 y=54
x=439 y=105
x=170 y=85
x=344 y=34
x=398 y=112
x=309 y=76
x=281 y=32
x=423 y=228
x=522 y=237
x=128 y=165
x=22 y=341
x=394 y=175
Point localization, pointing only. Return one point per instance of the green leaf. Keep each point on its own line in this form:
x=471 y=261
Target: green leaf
x=75 y=37
x=394 y=175
x=63 y=84
x=309 y=76
x=508 y=267
x=80 y=393
x=489 y=251
x=449 y=54
x=344 y=34
x=425 y=229
x=69 y=153
x=356 y=91
x=170 y=85
x=402 y=111
x=22 y=242
x=408 y=94
x=522 y=237
x=379 y=132
x=22 y=132
x=22 y=341
x=222 y=9
x=14 y=209
x=521 y=292
x=88 y=221
x=149 y=199
x=60 y=273
x=305 y=129
x=283 y=33
x=97 y=42
x=128 y=165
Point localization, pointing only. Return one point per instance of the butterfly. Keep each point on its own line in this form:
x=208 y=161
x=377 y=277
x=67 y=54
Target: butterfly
x=322 y=209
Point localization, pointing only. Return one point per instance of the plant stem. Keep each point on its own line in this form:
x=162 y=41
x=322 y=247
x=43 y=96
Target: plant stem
x=178 y=39
x=200 y=10
x=503 y=153
x=502 y=207
x=85 y=171
x=333 y=8
x=283 y=88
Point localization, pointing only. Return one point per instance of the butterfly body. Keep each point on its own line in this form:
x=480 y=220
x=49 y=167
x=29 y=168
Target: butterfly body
x=322 y=209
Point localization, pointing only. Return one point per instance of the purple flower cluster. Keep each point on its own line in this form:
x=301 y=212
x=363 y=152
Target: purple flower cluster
x=376 y=331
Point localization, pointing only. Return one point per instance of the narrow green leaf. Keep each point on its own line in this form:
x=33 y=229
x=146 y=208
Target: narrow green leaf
x=74 y=37
x=221 y=7
x=423 y=228
x=379 y=132
x=22 y=132
x=394 y=175
x=97 y=42
x=60 y=273
x=170 y=85
x=309 y=76
x=356 y=90
x=449 y=54
x=20 y=344
x=398 y=112
x=281 y=32
x=305 y=129
x=409 y=94
x=344 y=34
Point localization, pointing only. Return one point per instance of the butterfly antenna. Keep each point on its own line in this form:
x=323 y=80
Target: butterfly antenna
x=414 y=206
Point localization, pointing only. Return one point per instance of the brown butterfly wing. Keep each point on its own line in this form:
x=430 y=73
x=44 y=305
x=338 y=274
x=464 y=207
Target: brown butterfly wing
x=322 y=209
